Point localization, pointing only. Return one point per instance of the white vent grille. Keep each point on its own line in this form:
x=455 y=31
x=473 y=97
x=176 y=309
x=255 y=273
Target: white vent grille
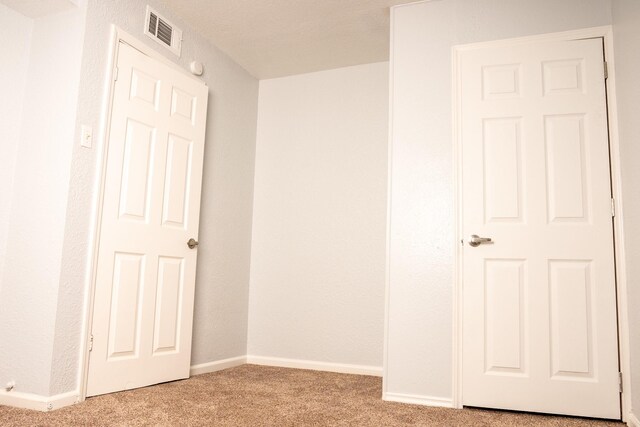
x=163 y=31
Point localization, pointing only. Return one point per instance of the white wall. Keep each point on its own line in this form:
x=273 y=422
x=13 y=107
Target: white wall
x=15 y=32
x=318 y=248
x=222 y=285
x=626 y=26
x=39 y=197
x=419 y=340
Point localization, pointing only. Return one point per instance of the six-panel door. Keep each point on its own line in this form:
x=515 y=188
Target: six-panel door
x=143 y=305
x=539 y=307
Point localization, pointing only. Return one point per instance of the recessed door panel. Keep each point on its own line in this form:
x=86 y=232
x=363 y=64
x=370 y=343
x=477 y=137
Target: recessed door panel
x=169 y=292
x=563 y=76
x=566 y=168
x=571 y=319
x=505 y=317
x=501 y=81
x=128 y=285
x=176 y=188
x=183 y=105
x=136 y=173
x=502 y=169
x=145 y=88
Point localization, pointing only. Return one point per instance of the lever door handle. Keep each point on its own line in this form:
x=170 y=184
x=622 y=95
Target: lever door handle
x=476 y=240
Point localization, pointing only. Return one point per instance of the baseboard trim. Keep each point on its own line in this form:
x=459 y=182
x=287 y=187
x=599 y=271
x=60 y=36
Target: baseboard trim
x=217 y=365
x=632 y=420
x=340 y=368
x=36 y=402
x=416 y=399
x=49 y=403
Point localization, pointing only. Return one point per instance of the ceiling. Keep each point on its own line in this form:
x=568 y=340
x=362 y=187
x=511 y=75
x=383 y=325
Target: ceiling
x=275 y=38
x=39 y=8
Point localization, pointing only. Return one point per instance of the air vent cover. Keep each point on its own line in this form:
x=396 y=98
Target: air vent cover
x=163 y=31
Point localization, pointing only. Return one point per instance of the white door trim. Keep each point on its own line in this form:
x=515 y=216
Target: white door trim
x=606 y=32
x=117 y=35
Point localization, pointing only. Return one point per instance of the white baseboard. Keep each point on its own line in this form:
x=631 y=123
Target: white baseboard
x=632 y=420
x=37 y=402
x=418 y=399
x=341 y=368
x=218 y=365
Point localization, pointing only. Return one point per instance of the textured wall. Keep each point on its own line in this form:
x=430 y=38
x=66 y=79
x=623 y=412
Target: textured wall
x=626 y=27
x=419 y=346
x=220 y=319
x=38 y=207
x=15 y=31
x=317 y=264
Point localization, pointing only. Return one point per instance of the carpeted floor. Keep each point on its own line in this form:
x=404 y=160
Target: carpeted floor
x=264 y=396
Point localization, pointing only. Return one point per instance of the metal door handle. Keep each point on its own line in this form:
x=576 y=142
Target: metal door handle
x=476 y=240
x=192 y=243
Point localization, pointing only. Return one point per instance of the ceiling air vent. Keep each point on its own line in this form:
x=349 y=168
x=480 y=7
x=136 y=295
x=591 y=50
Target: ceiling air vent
x=163 y=31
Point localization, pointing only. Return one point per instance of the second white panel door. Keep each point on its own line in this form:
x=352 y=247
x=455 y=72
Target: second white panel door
x=539 y=300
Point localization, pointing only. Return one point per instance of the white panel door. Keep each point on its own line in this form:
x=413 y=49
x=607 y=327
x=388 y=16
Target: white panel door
x=539 y=301
x=145 y=280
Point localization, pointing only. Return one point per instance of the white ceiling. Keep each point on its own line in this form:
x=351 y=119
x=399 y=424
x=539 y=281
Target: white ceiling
x=39 y=8
x=274 y=38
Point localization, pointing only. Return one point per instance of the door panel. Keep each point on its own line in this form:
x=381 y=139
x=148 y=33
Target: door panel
x=168 y=304
x=125 y=310
x=176 y=195
x=539 y=302
x=567 y=190
x=570 y=318
x=505 y=317
x=143 y=304
x=503 y=169
x=140 y=144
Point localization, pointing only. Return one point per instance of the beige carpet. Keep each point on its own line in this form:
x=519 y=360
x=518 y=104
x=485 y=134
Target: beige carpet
x=263 y=396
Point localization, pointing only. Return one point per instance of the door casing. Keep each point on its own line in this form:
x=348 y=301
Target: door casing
x=117 y=35
x=606 y=33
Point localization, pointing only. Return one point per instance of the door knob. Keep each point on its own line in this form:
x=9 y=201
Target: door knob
x=192 y=243
x=476 y=240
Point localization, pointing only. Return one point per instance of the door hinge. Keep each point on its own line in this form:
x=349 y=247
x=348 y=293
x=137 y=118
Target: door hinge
x=606 y=70
x=613 y=207
x=620 y=380
x=90 y=342
x=115 y=74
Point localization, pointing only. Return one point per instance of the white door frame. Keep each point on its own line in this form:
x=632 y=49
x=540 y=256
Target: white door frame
x=606 y=32
x=117 y=35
